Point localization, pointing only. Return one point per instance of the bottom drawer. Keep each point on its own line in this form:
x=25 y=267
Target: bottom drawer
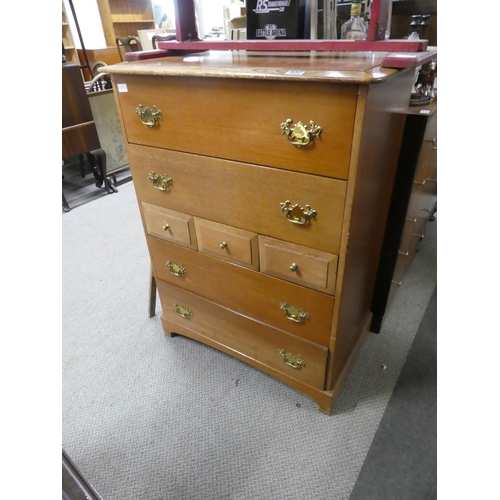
x=293 y=356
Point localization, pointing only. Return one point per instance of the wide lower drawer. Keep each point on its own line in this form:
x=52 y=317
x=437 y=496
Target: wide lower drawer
x=298 y=310
x=293 y=356
x=242 y=119
x=246 y=196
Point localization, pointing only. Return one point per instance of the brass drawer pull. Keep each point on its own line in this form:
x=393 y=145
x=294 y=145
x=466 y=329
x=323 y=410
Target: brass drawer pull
x=161 y=182
x=296 y=214
x=403 y=253
x=149 y=116
x=223 y=245
x=294 y=314
x=165 y=227
x=434 y=143
x=420 y=183
x=294 y=267
x=182 y=311
x=176 y=269
x=298 y=135
x=291 y=360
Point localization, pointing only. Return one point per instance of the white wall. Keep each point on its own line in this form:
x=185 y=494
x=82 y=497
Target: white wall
x=87 y=13
x=89 y=21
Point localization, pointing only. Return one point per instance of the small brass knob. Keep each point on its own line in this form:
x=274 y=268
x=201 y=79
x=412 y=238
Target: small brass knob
x=294 y=267
x=223 y=245
x=166 y=227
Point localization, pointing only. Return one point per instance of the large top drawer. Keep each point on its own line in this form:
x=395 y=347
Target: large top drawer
x=242 y=119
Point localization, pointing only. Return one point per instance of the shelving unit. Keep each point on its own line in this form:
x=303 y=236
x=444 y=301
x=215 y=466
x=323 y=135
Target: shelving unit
x=125 y=17
x=67 y=39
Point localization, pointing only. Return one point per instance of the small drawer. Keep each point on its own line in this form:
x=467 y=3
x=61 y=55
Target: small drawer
x=302 y=265
x=261 y=345
x=170 y=225
x=227 y=243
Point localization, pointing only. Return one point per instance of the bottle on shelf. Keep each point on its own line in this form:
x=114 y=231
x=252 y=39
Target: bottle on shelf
x=355 y=28
x=415 y=28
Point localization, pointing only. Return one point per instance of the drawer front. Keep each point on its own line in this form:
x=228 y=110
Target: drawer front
x=227 y=243
x=170 y=225
x=239 y=334
x=246 y=291
x=241 y=195
x=247 y=127
x=298 y=264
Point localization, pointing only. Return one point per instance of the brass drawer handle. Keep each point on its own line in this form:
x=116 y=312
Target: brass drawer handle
x=294 y=314
x=176 y=269
x=223 y=245
x=182 y=311
x=420 y=183
x=161 y=182
x=298 y=135
x=291 y=360
x=166 y=227
x=296 y=214
x=434 y=143
x=294 y=267
x=149 y=116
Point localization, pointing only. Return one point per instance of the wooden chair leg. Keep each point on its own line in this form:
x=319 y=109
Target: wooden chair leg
x=101 y=162
x=152 y=293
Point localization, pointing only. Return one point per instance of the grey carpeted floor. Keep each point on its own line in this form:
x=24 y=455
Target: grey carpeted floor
x=150 y=417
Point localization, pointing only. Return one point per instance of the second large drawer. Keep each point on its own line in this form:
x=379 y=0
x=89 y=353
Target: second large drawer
x=300 y=208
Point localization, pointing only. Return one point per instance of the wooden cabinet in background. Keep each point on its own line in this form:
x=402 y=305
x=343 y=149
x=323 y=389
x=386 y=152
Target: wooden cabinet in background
x=124 y=17
x=413 y=204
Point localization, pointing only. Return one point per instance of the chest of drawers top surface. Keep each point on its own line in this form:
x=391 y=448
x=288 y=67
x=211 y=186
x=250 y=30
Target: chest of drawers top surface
x=343 y=67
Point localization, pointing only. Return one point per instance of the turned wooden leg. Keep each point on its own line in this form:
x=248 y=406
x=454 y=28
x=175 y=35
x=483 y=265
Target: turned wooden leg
x=95 y=169
x=102 y=164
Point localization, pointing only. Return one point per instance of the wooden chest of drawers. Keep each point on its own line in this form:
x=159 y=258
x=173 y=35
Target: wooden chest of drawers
x=264 y=184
